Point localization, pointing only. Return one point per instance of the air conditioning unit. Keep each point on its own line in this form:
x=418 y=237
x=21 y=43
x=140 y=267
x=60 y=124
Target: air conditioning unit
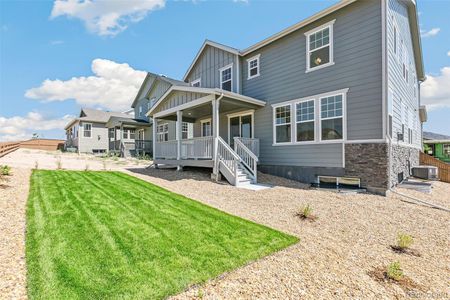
x=425 y=172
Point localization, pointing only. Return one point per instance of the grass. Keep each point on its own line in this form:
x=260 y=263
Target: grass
x=107 y=235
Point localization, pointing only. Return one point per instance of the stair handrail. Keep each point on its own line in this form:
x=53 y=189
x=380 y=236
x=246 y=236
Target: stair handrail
x=247 y=157
x=225 y=149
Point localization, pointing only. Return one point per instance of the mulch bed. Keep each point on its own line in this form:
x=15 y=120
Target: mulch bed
x=406 y=283
x=408 y=251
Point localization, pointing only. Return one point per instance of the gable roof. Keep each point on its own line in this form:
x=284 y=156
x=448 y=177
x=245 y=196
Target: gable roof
x=212 y=44
x=412 y=9
x=97 y=116
x=147 y=77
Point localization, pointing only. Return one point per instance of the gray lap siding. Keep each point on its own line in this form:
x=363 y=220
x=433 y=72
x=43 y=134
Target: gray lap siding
x=358 y=67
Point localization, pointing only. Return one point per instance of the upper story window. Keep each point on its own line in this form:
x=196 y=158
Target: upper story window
x=319 y=47
x=253 y=67
x=332 y=119
x=196 y=83
x=226 y=78
x=87 y=130
x=151 y=103
x=140 y=111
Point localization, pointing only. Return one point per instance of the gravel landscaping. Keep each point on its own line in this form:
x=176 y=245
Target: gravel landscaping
x=350 y=238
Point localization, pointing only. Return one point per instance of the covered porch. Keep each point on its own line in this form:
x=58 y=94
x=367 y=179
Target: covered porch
x=127 y=137
x=213 y=128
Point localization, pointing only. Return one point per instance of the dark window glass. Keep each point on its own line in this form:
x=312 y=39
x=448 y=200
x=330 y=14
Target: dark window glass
x=226 y=86
x=305 y=131
x=283 y=133
x=319 y=57
x=332 y=129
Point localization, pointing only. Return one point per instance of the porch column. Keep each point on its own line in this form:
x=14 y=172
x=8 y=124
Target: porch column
x=179 y=135
x=215 y=132
x=154 y=126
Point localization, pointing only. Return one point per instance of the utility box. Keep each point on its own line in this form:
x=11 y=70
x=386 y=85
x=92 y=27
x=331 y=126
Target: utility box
x=425 y=172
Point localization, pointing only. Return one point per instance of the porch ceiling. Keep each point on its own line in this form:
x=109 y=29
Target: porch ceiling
x=205 y=110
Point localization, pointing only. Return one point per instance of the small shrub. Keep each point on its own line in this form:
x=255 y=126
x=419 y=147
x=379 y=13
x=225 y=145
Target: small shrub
x=404 y=241
x=394 y=271
x=36 y=165
x=5 y=170
x=104 y=165
x=86 y=168
x=305 y=212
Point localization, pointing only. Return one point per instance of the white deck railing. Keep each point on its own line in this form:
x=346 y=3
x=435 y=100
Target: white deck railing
x=197 y=148
x=252 y=144
x=166 y=150
x=247 y=157
x=228 y=158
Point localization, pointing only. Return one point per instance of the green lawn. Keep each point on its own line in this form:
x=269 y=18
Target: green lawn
x=101 y=235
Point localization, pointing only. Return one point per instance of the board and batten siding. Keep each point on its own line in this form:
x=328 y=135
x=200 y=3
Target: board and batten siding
x=177 y=98
x=400 y=92
x=208 y=65
x=358 y=67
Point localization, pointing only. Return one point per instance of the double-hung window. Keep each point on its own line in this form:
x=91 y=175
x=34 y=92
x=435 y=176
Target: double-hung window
x=162 y=132
x=111 y=133
x=283 y=124
x=305 y=121
x=87 y=130
x=132 y=133
x=206 y=127
x=319 y=47
x=331 y=118
x=125 y=134
x=253 y=67
x=226 y=78
x=140 y=111
x=186 y=130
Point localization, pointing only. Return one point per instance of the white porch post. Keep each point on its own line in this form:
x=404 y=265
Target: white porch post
x=179 y=136
x=215 y=132
x=154 y=126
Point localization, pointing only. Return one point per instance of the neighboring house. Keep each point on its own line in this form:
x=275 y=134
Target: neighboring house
x=333 y=98
x=437 y=145
x=88 y=133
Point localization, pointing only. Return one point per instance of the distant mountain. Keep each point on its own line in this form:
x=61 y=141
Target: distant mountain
x=434 y=136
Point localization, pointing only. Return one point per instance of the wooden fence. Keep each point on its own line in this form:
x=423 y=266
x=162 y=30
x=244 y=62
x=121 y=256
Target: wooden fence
x=43 y=144
x=443 y=168
x=7 y=147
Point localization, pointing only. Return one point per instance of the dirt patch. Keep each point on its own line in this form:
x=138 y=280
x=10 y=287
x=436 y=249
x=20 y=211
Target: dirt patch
x=406 y=283
x=408 y=251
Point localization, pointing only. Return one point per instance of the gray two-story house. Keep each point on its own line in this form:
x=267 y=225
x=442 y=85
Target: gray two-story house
x=332 y=99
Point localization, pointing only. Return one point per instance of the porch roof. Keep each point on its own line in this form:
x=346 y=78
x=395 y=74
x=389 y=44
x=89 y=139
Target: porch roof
x=118 y=121
x=210 y=94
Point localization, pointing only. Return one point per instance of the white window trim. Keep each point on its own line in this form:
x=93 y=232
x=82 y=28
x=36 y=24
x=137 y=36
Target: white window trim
x=241 y=114
x=318 y=129
x=198 y=80
x=87 y=137
x=201 y=126
x=297 y=122
x=274 y=111
x=164 y=126
x=230 y=66
x=344 y=117
x=249 y=60
x=312 y=31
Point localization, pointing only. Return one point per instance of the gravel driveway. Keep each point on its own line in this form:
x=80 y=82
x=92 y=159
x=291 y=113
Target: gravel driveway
x=350 y=238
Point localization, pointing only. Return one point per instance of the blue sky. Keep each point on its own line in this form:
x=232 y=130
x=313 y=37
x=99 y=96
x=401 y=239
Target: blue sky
x=46 y=40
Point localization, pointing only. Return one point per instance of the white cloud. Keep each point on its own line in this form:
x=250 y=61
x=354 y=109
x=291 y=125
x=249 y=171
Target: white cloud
x=113 y=87
x=106 y=18
x=448 y=53
x=22 y=128
x=435 y=91
x=240 y=1
x=429 y=33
